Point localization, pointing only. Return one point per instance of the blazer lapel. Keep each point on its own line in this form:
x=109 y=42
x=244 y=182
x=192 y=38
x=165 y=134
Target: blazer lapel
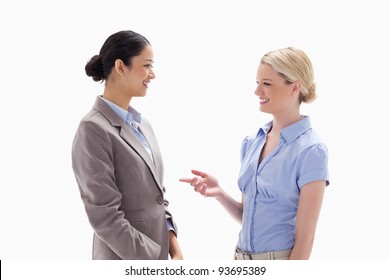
x=133 y=141
x=129 y=137
x=147 y=131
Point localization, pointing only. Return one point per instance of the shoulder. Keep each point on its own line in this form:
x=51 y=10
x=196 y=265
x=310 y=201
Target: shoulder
x=94 y=126
x=93 y=119
x=312 y=162
x=249 y=142
x=251 y=139
x=312 y=149
x=310 y=140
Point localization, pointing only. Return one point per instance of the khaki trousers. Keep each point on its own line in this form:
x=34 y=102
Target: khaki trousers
x=274 y=255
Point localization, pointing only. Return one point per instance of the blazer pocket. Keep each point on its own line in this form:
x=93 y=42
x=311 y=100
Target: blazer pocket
x=139 y=225
x=136 y=219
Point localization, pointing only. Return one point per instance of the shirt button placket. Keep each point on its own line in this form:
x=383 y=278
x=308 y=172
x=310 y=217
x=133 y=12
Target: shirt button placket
x=252 y=207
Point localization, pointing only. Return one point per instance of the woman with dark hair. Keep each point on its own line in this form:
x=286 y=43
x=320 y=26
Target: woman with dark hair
x=117 y=162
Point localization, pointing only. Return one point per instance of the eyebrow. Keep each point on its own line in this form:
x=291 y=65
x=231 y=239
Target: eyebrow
x=150 y=60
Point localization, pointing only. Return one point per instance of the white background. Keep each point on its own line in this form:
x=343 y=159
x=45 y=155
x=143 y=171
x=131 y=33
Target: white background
x=201 y=106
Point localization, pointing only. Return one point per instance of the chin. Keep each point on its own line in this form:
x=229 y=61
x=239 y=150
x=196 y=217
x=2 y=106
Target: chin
x=262 y=109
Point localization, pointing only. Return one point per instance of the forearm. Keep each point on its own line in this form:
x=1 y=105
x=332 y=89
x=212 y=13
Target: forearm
x=302 y=249
x=233 y=207
x=309 y=207
x=174 y=248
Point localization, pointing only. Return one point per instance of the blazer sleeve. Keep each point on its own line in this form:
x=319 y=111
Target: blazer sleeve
x=168 y=215
x=92 y=162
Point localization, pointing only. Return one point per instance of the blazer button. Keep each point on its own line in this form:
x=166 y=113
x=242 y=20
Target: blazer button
x=160 y=200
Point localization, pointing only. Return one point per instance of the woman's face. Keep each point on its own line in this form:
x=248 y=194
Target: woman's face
x=275 y=95
x=139 y=74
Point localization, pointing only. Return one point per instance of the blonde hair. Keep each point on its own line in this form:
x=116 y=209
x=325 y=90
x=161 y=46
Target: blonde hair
x=294 y=65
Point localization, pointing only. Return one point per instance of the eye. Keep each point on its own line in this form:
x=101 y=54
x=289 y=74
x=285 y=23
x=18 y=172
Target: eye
x=148 y=65
x=266 y=84
x=257 y=82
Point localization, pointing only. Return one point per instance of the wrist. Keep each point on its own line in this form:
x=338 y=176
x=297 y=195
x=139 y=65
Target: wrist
x=220 y=194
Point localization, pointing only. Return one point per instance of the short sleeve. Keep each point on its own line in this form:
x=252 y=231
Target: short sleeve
x=313 y=165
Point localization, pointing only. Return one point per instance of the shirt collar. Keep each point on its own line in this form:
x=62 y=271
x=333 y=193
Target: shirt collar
x=291 y=132
x=265 y=129
x=133 y=117
x=130 y=116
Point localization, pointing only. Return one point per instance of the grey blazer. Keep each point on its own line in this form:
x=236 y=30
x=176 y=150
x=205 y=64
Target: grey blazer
x=121 y=187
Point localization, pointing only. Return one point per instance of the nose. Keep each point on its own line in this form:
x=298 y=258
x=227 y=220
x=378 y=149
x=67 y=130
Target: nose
x=152 y=75
x=258 y=90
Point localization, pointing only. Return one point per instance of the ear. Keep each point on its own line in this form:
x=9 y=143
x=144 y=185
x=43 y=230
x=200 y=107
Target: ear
x=296 y=88
x=119 y=67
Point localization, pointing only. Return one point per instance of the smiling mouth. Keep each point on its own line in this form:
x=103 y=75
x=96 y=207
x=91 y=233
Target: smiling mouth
x=146 y=84
x=263 y=101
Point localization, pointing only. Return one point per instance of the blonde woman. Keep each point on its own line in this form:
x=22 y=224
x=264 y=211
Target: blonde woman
x=284 y=168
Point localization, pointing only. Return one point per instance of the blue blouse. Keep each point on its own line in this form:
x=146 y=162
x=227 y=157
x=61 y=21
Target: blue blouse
x=271 y=190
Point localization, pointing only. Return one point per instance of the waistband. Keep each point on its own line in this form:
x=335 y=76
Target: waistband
x=273 y=255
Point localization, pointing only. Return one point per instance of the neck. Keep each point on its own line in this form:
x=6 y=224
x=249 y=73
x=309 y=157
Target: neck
x=281 y=121
x=121 y=100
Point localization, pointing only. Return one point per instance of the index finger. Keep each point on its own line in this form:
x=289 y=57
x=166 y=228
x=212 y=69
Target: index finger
x=185 y=180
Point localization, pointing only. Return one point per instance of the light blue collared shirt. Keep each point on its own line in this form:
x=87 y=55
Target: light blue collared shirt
x=271 y=190
x=133 y=118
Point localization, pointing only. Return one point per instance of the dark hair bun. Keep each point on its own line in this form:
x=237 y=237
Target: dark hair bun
x=94 y=68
